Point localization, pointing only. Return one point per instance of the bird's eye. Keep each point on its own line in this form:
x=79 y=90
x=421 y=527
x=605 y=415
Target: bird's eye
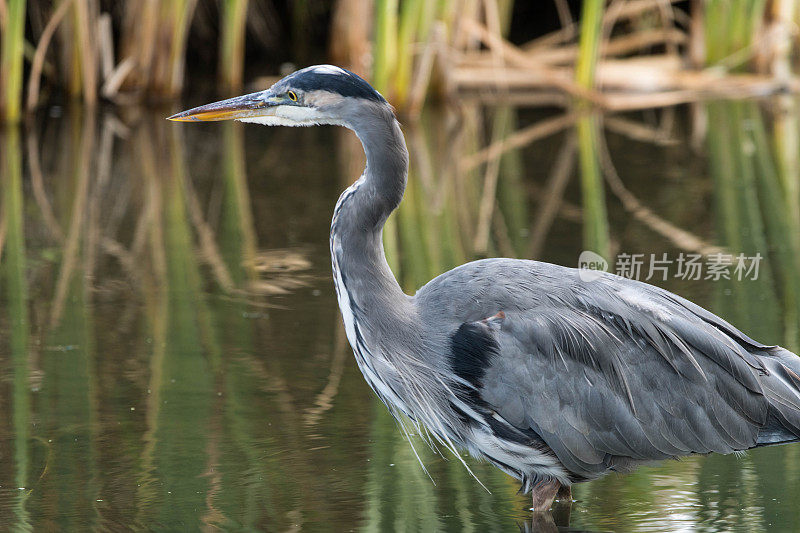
x=292 y=96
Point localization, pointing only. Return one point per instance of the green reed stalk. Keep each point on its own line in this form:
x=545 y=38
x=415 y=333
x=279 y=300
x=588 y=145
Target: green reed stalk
x=414 y=257
x=714 y=31
x=407 y=34
x=730 y=27
x=231 y=45
x=595 y=218
x=11 y=55
x=589 y=46
x=740 y=216
x=15 y=286
x=238 y=241
x=381 y=512
x=782 y=227
x=415 y=498
x=78 y=46
x=513 y=205
x=759 y=302
x=384 y=51
x=786 y=138
x=391 y=245
x=157 y=313
x=187 y=367
x=73 y=401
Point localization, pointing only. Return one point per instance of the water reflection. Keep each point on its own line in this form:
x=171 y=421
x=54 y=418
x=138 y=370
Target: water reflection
x=13 y=268
x=171 y=349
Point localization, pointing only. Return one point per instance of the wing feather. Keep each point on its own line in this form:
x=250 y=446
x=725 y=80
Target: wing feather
x=613 y=372
x=602 y=388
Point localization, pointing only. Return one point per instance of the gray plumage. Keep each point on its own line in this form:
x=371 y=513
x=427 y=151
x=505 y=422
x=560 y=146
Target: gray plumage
x=552 y=378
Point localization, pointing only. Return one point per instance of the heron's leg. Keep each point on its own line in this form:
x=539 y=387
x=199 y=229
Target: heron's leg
x=563 y=509
x=564 y=494
x=544 y=493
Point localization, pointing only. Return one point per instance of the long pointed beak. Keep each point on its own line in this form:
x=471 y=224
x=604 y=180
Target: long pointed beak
x=250 y=105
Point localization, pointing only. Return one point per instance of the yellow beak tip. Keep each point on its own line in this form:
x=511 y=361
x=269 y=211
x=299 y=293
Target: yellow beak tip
x=180 y=118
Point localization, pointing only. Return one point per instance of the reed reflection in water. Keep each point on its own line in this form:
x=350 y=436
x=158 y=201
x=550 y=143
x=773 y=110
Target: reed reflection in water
x=170 y=346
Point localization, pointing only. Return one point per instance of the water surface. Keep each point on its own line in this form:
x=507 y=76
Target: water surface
x=171 y=351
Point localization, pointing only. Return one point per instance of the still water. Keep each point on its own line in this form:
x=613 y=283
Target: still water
x=171 y=352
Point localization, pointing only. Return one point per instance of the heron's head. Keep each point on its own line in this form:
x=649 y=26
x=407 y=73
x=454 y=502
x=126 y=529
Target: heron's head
x=322 y=94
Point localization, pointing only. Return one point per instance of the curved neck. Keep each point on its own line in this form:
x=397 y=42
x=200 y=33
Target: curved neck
x=387 y=163
x=362 y=210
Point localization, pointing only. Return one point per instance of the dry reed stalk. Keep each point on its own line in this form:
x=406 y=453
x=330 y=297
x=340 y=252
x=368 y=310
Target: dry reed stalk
x=94 y=227
x=207 y=244
x=519 y=58
x=639 y=131
x=38 y=187
x=697 y=39
x=34 y=78
x=462 y=39
x=634 y=8
x=117 y=77
x=620 y=46
x=679 y=237
x=153 y=40
x=492 y=24
x=507 y=78
x=488 y=195
x=3 y=230
x=781 y=32
x=3 y=14
x=69 y=64
x=350 y=29
x=617 y=46
x=564 y=14
x=138 y=38
x=105 y=47
x=324 y=400
x=623 y=12
x=668 y=20
x=79 y=58
x=539 y=98
x=645 y=74
x=72 y=239
x=422 y=75
x=86 y=23
x=632 y=102
x=555 y=38
x=642 y=81
x=553 y=196
x=130 y=265
x=500 y=232
x=518 y=139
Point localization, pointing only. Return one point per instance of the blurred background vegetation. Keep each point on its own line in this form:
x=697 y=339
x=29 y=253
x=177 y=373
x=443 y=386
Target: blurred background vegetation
x=151 y=50
x=171 y=354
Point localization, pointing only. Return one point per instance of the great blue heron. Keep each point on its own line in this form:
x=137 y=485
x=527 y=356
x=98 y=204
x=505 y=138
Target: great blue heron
x=552 y=378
